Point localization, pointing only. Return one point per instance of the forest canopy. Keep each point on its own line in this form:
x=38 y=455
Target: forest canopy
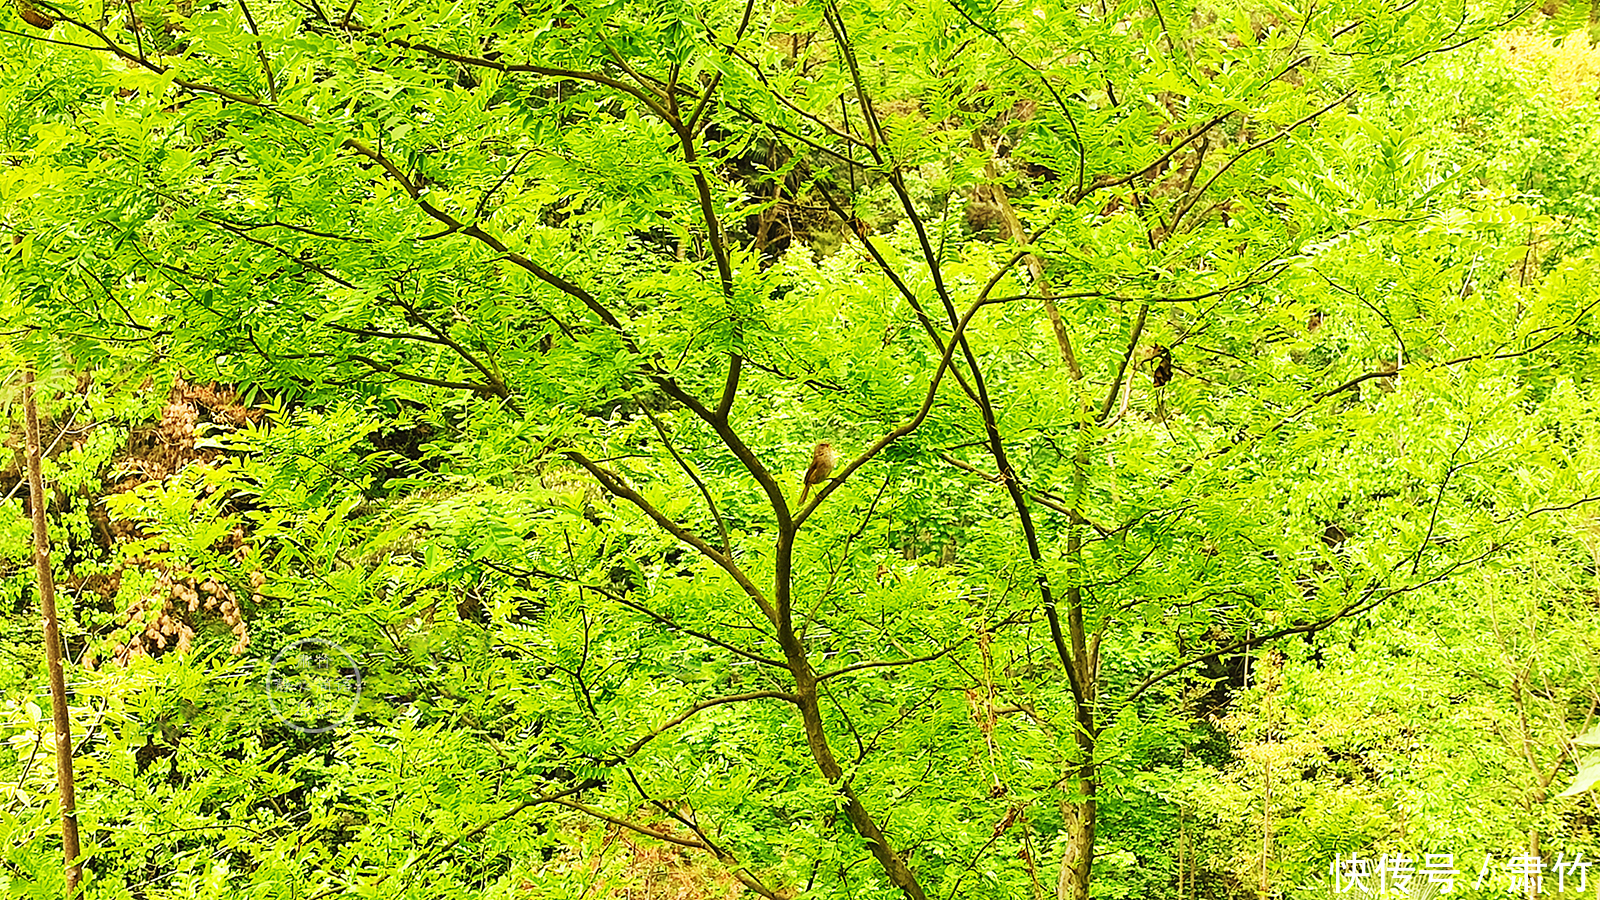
x=801 y=450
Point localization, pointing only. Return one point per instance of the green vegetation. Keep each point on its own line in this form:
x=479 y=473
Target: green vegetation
x=427 y=391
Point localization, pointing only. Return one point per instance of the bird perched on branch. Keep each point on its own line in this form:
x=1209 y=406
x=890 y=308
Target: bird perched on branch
x=32 y=14
x=822 y=460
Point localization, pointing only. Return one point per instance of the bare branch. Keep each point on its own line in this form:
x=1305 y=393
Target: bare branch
x=261 y=53
x=614 y=484
x=694 y=476
x=703 y=705
x=1368 y=599
x=886 y=663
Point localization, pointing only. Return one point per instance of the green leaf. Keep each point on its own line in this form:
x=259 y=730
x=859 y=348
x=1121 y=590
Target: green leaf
x=1588 y=775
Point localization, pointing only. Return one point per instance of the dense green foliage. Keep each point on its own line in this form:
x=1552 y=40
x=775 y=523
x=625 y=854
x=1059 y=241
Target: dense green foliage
x=434 y=384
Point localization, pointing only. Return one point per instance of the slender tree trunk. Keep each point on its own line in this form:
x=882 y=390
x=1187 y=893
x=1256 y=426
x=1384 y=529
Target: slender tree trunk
x=900 y=874
x=1534 y=886
x=807 y=699
x=1082 y=658
x=1078 y=859
x=1183 y=846
x=52 y=639
x=1080 y=813
x=1266 y=829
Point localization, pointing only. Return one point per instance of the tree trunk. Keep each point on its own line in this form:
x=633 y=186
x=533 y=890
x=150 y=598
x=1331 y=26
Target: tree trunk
x=894 y=866
x=52 y=639
x=1078 y=857
x=1266 y=830
x=1534 y=886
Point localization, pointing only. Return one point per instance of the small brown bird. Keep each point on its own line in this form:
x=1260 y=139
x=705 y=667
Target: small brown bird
x=1162 y=373
x=822 y=460
x=32 y=14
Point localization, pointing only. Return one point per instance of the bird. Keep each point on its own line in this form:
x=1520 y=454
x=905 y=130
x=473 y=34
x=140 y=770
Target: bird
x=822 y=460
